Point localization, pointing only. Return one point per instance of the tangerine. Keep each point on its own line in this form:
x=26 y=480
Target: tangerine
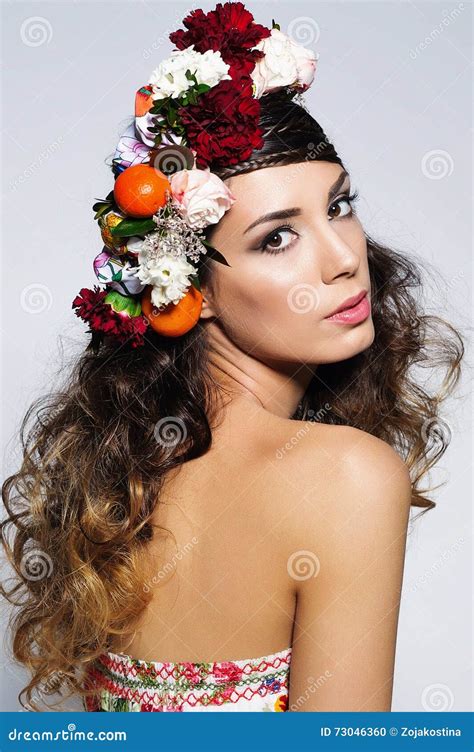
x=140 y=190
x=177 y=318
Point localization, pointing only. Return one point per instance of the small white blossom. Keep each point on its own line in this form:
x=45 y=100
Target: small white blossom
x=169 y=79
x=168 y=274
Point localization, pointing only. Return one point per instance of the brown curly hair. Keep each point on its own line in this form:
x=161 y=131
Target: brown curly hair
x=79 y=507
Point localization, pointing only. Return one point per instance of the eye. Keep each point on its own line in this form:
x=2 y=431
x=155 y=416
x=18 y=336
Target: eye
x=278 y=240
x=348 y=210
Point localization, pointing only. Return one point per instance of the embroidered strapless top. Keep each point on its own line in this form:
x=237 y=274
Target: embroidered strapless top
x=130 y=684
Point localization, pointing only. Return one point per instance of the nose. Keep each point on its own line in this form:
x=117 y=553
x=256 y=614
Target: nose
x=338 y=258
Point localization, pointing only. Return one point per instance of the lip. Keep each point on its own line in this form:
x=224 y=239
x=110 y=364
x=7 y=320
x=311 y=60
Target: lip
x=353 y=310
x=348 y=303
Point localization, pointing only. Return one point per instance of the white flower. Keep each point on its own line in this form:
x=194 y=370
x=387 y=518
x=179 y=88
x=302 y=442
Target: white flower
x=169 y=79
x=168 y=274
x=285 y=63
x=143 y=125
x=134 y=243
x=200 y=196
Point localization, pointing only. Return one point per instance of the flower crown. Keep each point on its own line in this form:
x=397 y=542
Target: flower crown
x=199 y=109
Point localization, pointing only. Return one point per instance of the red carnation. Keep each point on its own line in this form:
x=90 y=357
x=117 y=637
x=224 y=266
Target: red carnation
x=223 y=127
x=228 y=29
x=101 y=317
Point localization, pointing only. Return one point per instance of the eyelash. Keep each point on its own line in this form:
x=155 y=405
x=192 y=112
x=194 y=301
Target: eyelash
x=350 y=197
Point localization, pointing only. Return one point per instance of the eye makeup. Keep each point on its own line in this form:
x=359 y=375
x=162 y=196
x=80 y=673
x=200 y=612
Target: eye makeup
x=350 y=198
x=265 y=244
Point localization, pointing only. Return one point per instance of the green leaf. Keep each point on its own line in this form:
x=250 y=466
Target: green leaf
x=201 y=88
x=101 y=203
x=129 y=227
x=102 y=207
x=102 y=211
x=156 y=109
x=123 y=303
x=189 y=75
x=195 y=281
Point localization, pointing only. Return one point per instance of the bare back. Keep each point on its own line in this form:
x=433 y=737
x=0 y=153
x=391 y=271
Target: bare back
x=221 y=590
x=255 y=520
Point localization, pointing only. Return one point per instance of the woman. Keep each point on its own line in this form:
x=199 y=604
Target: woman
x=221 y=491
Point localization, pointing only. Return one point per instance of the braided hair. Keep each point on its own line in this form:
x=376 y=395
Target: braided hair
x=290 y=133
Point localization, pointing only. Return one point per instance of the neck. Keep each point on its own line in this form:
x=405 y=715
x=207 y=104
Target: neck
x=275 y=387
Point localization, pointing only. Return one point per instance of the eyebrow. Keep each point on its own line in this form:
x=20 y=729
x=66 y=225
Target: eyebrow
x=295 y=211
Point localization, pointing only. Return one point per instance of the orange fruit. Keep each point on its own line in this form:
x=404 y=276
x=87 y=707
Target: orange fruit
x=140 y=191
x=175 y=319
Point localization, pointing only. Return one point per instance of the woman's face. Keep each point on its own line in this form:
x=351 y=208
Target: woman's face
x=289 y=272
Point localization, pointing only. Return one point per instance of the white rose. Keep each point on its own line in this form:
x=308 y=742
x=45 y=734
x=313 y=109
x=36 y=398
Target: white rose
x=168 y=276
x=169 y=79
x=200 y=196
x=285 y=63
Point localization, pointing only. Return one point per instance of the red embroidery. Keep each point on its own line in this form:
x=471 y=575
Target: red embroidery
x=126 y=683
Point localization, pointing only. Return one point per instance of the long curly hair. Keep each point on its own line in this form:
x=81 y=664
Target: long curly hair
x=95 y=452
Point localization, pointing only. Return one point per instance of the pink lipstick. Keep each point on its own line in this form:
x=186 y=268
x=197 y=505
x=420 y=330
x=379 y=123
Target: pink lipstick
x=353 y=310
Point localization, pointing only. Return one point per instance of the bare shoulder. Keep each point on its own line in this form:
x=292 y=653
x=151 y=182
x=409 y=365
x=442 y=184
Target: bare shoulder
x=335 y=477
x=329 y=463
x=345 y=548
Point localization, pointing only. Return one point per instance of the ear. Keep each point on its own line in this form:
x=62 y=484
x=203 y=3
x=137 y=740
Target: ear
x=207 y=310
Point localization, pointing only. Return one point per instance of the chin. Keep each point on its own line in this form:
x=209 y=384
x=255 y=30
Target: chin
x=350 y=341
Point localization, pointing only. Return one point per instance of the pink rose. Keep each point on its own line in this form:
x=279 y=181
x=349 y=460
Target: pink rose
x=200 y=196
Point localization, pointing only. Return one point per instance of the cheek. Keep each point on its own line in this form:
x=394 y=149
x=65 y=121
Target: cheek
x=357 y=239
x=261 y=305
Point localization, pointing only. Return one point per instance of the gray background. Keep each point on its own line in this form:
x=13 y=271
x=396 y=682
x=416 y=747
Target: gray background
x=393 y=90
